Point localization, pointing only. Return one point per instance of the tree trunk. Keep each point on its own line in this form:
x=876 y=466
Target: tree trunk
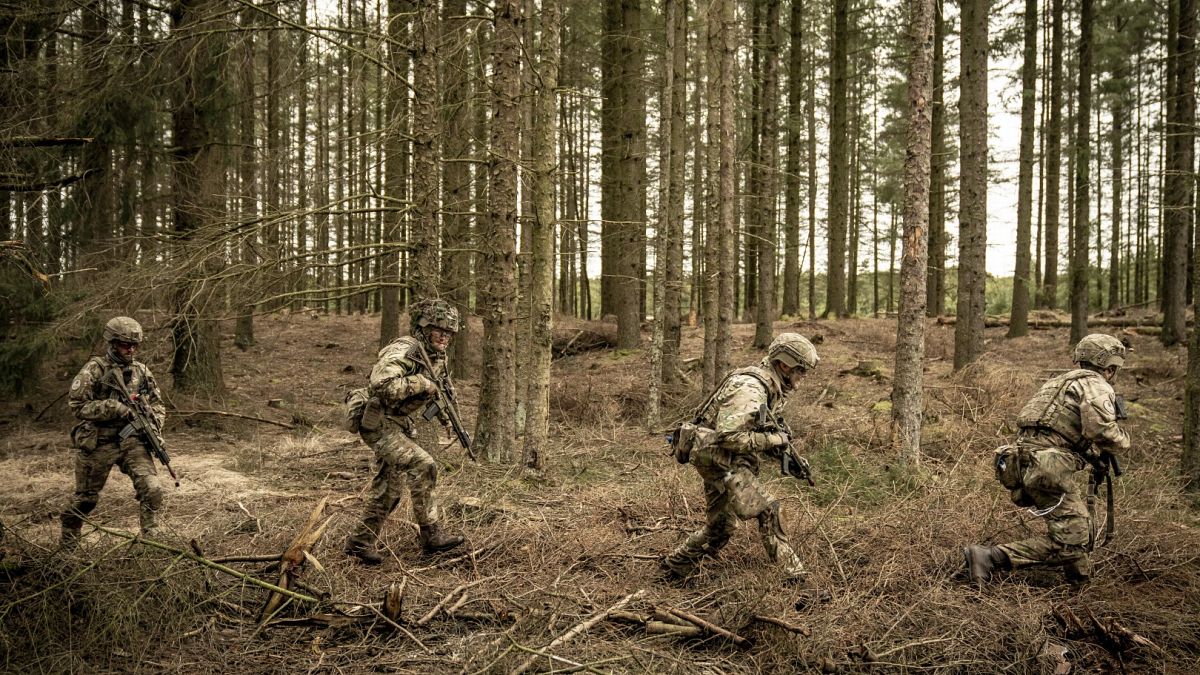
x=424 y=271
x=795 y=122
x=714 y=231
x=726 y=197
x=395 y=147
x=623 y=143
x=1021 y=281
x=197 y=164
x=1179 y=178
x=769 y=179
x=496 y=429
x=972 y=217
x=1116 y=261
x=1053 y=159
x=541 y=270
x=1083 y=161
x=243 y=334
x=935 y=282
x=907 y=404
x=677 y=156
x=839 y=176
x=456 y=179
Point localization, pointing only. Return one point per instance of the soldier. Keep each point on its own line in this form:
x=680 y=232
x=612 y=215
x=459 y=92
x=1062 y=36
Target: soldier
x=94 y=400
x=1069 y=423
x=728 y=464
x=401 y=384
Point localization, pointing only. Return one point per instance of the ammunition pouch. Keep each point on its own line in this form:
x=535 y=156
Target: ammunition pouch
x=372 y=415
x=1010 y=463
x=689 y=437
x=356 y=403
x=85 y=436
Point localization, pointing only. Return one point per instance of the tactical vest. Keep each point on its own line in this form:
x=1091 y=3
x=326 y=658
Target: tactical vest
x=138 y=383
x=705 y=415
x=1051 y=408
x=407 y=348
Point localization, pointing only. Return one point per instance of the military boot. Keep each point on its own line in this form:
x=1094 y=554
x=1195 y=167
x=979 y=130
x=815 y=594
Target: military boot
x=983 y=560
x=366 y=553
x=434 y=539
x=69 y=540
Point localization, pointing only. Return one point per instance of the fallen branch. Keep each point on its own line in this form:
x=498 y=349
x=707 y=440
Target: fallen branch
x=247 y=558
x=206 y=562
x=711 y=627
x=577 y=629
x=775 y=621
x=297 y=553
x=664 y=628
x=222 y=413
x=446 y=598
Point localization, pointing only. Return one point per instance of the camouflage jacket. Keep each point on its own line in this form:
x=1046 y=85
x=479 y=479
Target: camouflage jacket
x=1074 y=410
x=733 y=409
x=399 y=377
x=92 y=400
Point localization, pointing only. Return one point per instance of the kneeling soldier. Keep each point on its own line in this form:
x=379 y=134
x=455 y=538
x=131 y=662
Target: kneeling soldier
x=1069 y=424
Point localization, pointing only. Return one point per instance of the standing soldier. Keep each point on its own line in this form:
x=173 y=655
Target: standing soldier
x=728 y=462
x=402 y=383
x=1070 y=423
x=95 y=400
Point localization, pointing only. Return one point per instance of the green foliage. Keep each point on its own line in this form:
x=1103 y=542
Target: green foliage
x=843 y=475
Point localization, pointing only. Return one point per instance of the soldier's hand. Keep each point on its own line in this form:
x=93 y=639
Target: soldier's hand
x=776 y=439
x=429 y=387
x=118 y=410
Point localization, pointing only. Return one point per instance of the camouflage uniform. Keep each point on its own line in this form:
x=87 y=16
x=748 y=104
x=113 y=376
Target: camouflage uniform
x=402 y=382
x=99 y=447
x=729 y=468
x=1070 y=422
x=1072 y=415
x=399 y=380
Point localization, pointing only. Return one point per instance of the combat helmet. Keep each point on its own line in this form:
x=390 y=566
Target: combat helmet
x=435 y=312
x=123 y=329
x=1100 y=350
x=793 y=349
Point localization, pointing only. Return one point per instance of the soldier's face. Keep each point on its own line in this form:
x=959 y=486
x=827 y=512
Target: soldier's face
x=125 y=350
x=1110 y=373
x=791 y=375
x=439 y=338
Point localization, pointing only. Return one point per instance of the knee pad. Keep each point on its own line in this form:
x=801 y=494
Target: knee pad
x=153 y=498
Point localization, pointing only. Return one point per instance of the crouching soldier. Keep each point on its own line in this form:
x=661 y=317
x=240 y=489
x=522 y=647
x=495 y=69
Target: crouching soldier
x=96 y=401
x=1069 y=425
x=402 y=383
x=728 y=462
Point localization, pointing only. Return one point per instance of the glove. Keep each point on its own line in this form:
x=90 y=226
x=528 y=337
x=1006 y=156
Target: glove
x=431 y=388
x=115 y=410
x=776 y=439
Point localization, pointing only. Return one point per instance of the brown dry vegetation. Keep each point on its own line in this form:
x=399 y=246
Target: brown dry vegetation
x=552 y=551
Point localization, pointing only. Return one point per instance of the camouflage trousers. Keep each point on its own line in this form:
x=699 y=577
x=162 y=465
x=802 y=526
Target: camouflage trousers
x=91 y=473
x=732 y=496
x=1048 y=487
x=397 y=458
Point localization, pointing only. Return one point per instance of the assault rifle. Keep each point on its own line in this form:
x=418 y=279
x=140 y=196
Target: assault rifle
x=444 y=406
x=1105 y=465
x=143 y=422
x=791 y=463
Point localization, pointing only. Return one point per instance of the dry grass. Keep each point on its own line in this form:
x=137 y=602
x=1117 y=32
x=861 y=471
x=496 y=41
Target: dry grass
x=552 y=551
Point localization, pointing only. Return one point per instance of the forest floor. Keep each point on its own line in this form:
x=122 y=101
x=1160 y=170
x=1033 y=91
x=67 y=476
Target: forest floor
x=881 y=543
